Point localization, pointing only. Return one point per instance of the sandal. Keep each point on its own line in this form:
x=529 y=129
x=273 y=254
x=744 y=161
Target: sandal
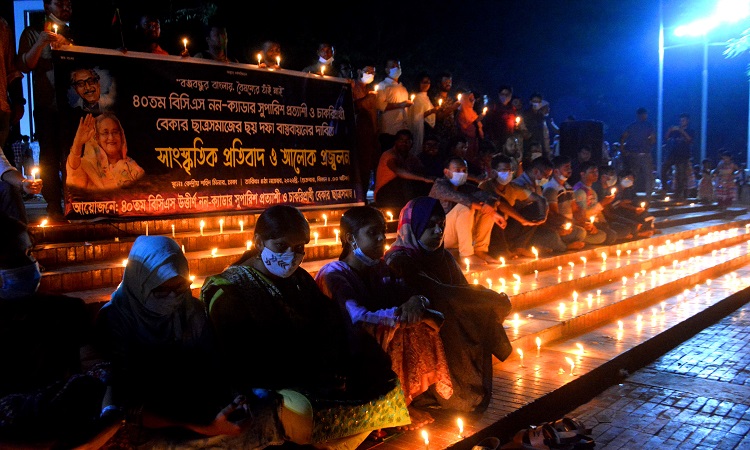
x=489 y=443
x=528 y=439
x=571 y=424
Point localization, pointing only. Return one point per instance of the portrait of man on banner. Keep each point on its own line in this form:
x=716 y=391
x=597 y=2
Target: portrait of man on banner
x=92 y=90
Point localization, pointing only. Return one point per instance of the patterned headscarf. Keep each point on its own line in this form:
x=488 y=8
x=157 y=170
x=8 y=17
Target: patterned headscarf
x=412 y=222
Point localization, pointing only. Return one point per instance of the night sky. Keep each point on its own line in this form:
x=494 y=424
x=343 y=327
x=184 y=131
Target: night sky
x=593 y=59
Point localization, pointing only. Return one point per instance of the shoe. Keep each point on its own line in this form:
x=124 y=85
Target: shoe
x=489 y=443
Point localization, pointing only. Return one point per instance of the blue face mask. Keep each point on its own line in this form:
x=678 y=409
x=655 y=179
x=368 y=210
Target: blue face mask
x=281 y=264
x=165 y=305
x=366 y=260
x=19 y=282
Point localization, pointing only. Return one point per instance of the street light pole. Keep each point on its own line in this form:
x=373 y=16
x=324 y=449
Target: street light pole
x=660 y=89
x=704 y=99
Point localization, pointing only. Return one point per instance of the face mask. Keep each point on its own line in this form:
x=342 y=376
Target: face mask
x=281 y=264
x=369 y=262
x=367 y=78
x=536 y=105
x=394 y=72
x=611 y=182
x=535 y=155
x=164 y=306
x=626 y=183
x=504 y=99
x=562 y=178
x=504 y=177
x=542 y=182
x=325 y=61
x=20 y=282
x=459 y=178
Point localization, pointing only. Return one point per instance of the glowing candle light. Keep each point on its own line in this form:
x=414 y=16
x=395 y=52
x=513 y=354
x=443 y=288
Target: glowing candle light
x=572 y=365
x=259 y=58
x=520 y=353
x=124 y=262
x=192 y=280
x=536 y=274
x=619 y=325
x=628 y=252
x=561 y=308
x=572 y=265
x=580 y=348
x=613 y=191
x=489 y=282
x=618 y=252
x=559 y=269
x=389 y=214
x=643 y=204
x=184 y=42
x=440 y=102
x=592 y=219
x=336 y=232
x=278 y=61
x=202 y=224
x=325 y=220
x=583 y=259
x=515 y=319
x=575 y=296
x=183 y=248
x=502 y=261
x=535 y=252
x=476 y=281
x=458 y=97
x=484 y=111
x=426 y=440
x=54 y=28
x=460 y=424
x=640 y=252
x=538 y=345
x=146 y=228
x=34 y=172
x=518 y=120
x=387 y=247
x=502 y=282
x=598 y=292
x=375 y=90
x=214 y=251
x=248 y=244
x=468 y=264
x=412 y=97
x=315 y=236
x=172 y=230
x=44 y=222
x=624 y=280
x=322 y=70
x=221 y=226
x=517 y=277
x=604 y=257
x=666 y=199
x=568 y=226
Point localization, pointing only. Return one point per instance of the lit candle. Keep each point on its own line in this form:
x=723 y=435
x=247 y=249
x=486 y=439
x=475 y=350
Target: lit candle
x=518 y=120
x=458 y=97
x=624 y=281
x=203 y=224
x=412 y=97
x=426 y=440
x=517 y=277
x=440 y=102
x=643 y=204
x=44 y=224
x=484 y=111
x=618 y=253
x=502 y=260
x=125 y=262
x=572 y=265
x=572 y=365
x=666 y=199
x=325 y=220
x=375 y=89
x=535 y=252
x=221 y=226
x=184 y=42
x=520 y=353
x=592 y=218
x=214 y=251
x=468 y=264
x=259 y=58
x=172 y=230
x=538 y=345
x=336 y=232
x=322 y=70
x=604 y=256
x=34 y=172
x=619 y=325
x=460 y=424
x=568 y=226
x=278 y=61
x=54 y=28
x=580 y=348
x=389 y=214
x=575 y=296
x=242 y=226
x=583 y=259
x=489 y=282
x=192 y=280
x=536 y=274
x=502 y=282
x=248 y=244
x=612 y=192
x=183 y=249
x=315 y=235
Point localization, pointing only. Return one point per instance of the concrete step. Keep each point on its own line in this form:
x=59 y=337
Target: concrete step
x=663 y=211
x=697 y=217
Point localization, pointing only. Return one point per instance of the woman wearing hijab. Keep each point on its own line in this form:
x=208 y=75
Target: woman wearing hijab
x=473 y=329
x=280 y=332
x=161 y=347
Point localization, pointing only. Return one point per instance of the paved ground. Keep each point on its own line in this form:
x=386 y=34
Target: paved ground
x=697 y=396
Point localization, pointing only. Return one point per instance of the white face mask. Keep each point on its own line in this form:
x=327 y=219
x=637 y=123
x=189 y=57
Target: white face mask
x=459 y=178
x=369 y=262
x=536 y=105
x=542 y=182
x=281 y=264
x=611 y=181
x=535 y=155
x=367 y=78
x=325 y=61
x=394 y=72
x=626 y=183
x=504 y=177
x=562 y=178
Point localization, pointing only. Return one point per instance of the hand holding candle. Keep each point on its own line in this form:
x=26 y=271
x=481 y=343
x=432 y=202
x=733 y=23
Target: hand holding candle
x=34 y=172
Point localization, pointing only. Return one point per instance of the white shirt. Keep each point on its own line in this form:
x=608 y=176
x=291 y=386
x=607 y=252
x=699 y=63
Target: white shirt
x=391 y=91
x=417 y=119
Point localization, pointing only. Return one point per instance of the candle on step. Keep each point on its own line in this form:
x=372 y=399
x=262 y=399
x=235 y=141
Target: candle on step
x=460 y=424
x=572 y=265
x=389 y=214
x=502 y=260
x=221 y=226
x=336 y=232
x=43 y=224
x=518 y=278
x=535 y=252
x=426 y=440
x=124 y=262
x=583 y=259
x=580 y=348
x=183 y=249
x=502 y=282
x=172 y=230
x=604 y=257
x=248 y=244
x=520 y=353
x=214 y=251
x=325 y=220
x=242 y=226
x=538 y=345
x=202 y=224
x=468 y=264
x=575 y=296
x=618 y=253
x=572 y=364
x=315 y=236
x=619 y=325
x=489 y=282
x=536 y=274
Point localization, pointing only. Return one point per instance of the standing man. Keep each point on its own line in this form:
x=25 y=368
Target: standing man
x=447 y=105
x=11 y=100
x=500 y=121
x=35 y=55
x=679 y=142
x=393 y=101
x=636 y=143
x=324 y=64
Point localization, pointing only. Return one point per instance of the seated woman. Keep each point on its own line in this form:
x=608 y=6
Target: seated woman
x=164 y=366
x=380 y=308
x=46 y=398
x=473 y=329
x=278 y=331
x=98 y=159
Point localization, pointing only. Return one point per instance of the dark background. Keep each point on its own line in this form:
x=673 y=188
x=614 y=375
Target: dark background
x=593 y=59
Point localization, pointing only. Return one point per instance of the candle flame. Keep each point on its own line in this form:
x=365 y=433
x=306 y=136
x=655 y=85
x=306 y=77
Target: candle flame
x=460 y=424
x=425 y=437
x=572 y=364
x=592 y=218
x=580 y=348
x=619 y=325
x=124 y=262
x=213 y=252
x=520 y=353
x=44 y=223
x=568 y=225
x=538 y=342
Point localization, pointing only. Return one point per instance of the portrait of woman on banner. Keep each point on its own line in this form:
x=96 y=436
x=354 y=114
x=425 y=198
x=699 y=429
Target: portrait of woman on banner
x=98 y=159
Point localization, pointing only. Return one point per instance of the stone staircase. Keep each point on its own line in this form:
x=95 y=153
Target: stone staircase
x=605 y=309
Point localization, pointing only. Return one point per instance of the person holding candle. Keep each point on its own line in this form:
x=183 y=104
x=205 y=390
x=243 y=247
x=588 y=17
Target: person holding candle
x=269 y=55
x=445 y=115
x=35 y=56
x=396 y=177
x=473 y=330
x=324 y=64
x=588 y=203
x=378 y=307
x=148 y=34
x=266 y=306
x=421 y=113
x=13 y=186
x=559 y=196
x=366 y=122
x=11 y=101
x=393 y=101
x=607 y=189
x=216 y=43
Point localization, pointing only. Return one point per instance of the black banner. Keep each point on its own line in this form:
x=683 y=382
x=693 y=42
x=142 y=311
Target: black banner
x=172 y=136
